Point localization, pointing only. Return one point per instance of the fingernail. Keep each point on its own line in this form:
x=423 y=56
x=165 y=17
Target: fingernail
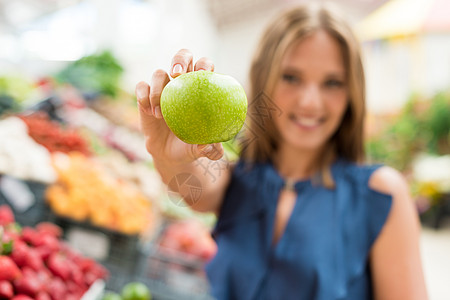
x=177 y=69
x=158 y=113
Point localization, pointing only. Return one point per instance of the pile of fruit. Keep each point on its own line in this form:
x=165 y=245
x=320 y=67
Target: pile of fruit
x=52 y=136
x=36 y=264
x=85 y=191
x=189 y=237
x=21 y=156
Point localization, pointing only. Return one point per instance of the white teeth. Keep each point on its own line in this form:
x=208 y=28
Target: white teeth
x=308 y=122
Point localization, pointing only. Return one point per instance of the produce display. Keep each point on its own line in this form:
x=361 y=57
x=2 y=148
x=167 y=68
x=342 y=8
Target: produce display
x=121 y=113
x=21 y=156
x=97 y=73
x=130 y=143
x=204 y=107
x=190 y=238
x=36 y=264
x=53 y=136
x=143 y=176
x=73 y=145
x=84 y=191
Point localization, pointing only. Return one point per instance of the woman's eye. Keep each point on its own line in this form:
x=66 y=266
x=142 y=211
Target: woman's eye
x=290 y=78
x=333 y=83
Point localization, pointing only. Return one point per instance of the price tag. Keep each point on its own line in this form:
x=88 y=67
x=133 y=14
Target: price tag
x=17 y=193
x=89 y=243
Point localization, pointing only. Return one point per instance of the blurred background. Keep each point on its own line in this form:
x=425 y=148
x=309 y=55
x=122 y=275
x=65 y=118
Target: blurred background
x=69 y=68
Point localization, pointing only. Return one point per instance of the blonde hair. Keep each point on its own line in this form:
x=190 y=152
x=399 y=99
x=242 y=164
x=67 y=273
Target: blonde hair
x=260 y=138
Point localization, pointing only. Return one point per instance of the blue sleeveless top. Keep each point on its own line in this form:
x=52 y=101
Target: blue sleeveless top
x=324 y=250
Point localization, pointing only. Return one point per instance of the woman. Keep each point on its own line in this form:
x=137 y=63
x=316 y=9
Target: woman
x=299 y=216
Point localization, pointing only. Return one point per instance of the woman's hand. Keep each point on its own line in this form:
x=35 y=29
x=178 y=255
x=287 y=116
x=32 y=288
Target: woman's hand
x=161 y=143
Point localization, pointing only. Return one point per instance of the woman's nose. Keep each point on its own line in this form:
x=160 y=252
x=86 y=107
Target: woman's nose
x=310 y=97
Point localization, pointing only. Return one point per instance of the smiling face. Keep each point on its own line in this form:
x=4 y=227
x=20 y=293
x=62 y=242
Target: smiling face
x=311 y=92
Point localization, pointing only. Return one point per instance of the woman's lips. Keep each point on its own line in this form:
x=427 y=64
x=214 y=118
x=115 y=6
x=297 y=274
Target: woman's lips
x=307 y=122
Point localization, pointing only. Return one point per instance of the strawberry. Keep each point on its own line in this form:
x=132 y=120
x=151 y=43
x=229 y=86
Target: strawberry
x=75 y=289
x=6 y=289
x=92 y=269
x=33 y=260
x=71 y=253
x=56 y=289
x=8 y=269
x=44 y=252
x=76 y=274
x=6 y=215
x=90 y=278
x=21 y=297
x=57 y=263
x=28 y=284
x=25 y=256
x=19 y=255
x=51 y=229
x=29 y=235
x=72 y=297
x=44 y=275
x=86 y=264
x=43 y=296
x=47 y=240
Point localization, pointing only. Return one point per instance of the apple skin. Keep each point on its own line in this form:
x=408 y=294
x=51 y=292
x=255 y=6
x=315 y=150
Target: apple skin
x=204 y=107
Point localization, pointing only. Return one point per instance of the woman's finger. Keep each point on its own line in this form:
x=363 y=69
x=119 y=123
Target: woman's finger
x=211 y=151
x=159 y=81
x=204 y=63
x=143 y=97
x=145 y=112
x=181 y=63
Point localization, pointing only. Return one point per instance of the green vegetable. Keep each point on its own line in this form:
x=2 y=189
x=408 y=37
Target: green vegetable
x=95 y=73
x=18 y=88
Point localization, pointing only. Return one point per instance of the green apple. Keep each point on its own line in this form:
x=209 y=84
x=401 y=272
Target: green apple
x=111 y=296
x=136 y=291
x=204 y=107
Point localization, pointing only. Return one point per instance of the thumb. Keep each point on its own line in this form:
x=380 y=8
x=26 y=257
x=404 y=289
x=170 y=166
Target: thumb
x=211 y=151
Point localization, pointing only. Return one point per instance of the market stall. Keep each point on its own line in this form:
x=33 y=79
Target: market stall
x=74 y=163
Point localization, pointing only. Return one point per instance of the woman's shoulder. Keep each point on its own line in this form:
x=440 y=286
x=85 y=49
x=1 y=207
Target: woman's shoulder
x=401 y=228
x=379 y=177
x=388 y=180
